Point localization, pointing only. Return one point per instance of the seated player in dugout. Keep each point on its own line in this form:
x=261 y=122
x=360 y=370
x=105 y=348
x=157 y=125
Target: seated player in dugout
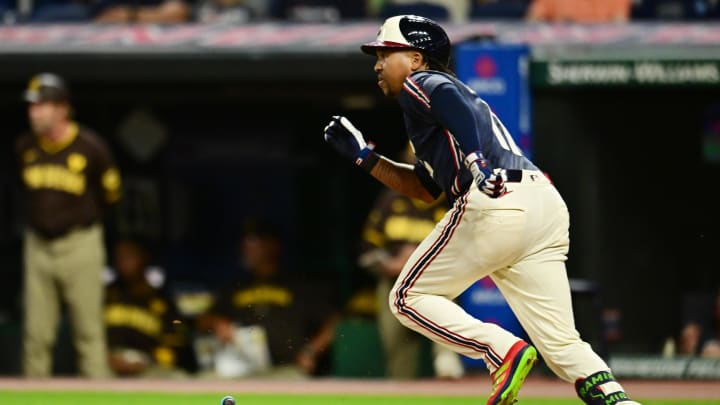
x=146 y=335
x=700 y=333
x=297 y=321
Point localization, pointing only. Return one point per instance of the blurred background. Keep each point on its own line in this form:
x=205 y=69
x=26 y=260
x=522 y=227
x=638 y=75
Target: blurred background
x=214 y=111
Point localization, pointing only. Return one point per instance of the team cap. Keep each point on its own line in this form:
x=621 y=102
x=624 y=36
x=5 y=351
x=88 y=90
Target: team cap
x=46 y=87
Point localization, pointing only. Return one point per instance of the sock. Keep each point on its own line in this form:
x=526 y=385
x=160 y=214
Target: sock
x=600 y=388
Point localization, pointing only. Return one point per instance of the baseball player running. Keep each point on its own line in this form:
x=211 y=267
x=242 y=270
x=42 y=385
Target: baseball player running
x=507 y=221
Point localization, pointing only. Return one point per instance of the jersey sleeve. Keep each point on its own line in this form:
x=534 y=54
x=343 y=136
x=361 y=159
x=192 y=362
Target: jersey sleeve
x=21 y=149
x=441 y=98
x=456 y=113
x=426 y=180
x=108 y=172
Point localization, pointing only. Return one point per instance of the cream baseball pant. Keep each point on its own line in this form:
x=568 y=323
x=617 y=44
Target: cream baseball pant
x=403 y=346
x=66 y=269
x=521 y=241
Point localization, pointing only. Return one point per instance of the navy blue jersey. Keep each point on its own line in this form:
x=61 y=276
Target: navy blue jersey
x=446 y=121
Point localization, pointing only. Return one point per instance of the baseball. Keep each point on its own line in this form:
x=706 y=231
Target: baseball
x=228 y=400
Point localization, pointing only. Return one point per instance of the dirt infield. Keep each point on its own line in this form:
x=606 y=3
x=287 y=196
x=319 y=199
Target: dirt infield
x=541 y=387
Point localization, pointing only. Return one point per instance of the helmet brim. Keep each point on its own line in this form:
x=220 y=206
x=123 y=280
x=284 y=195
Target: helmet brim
x=45 y=94
x=31 y=96
x=370 y=47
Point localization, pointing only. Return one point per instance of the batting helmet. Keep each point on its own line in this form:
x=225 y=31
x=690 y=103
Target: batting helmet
x=46 y=87
x=414 y=32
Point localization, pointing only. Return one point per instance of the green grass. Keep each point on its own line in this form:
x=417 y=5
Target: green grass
x=117 y=398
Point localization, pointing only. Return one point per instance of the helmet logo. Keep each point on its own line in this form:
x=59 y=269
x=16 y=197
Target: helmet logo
x=419 y=36
x=34 y=84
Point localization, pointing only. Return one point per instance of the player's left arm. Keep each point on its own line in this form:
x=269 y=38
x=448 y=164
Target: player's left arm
x=455 y=113
x=110 y=182
x=320 y=342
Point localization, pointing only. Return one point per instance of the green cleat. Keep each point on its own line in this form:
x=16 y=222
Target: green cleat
x=508 y=379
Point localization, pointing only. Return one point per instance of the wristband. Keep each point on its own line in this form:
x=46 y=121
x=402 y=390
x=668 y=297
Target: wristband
x=367 y=158
x=478 y=166
x=473 y=157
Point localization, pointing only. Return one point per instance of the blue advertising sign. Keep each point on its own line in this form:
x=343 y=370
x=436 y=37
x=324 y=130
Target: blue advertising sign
x=499 y=74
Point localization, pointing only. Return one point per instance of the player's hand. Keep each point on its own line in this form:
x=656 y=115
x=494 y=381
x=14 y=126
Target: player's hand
x=344 y=137
x=494 y=186
x=490 y=182
x=306 y=360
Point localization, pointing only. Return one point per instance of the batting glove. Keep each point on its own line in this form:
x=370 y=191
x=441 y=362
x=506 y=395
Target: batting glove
x=348 y=141
x=494 y=186
x=488 y=181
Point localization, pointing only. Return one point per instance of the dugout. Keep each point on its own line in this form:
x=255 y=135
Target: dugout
x=236 y=130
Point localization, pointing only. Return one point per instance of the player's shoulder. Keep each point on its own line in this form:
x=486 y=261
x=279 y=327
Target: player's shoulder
x=92 y=139
x=419 y=86
x=428 y=80
x=89 y=135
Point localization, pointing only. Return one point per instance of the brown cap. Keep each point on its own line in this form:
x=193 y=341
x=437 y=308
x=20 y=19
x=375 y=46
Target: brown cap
x=46 y=87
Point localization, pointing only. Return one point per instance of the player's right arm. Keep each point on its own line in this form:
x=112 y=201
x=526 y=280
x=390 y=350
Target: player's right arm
x=349 y=142
x=401 y=177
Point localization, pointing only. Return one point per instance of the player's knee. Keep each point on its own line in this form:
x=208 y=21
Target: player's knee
x=398 y=303
x=400 y=306
x=392 y=302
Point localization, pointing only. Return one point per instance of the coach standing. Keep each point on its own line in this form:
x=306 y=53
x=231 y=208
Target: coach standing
x=69 y=178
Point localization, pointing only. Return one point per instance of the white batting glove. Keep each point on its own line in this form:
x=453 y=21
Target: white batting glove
x=344 y=137
x=488 y=181
x=349 y=142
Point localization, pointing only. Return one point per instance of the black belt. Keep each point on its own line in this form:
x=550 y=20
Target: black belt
x=514 y=175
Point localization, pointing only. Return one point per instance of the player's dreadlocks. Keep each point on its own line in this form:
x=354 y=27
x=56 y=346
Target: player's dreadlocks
x=434 y=64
